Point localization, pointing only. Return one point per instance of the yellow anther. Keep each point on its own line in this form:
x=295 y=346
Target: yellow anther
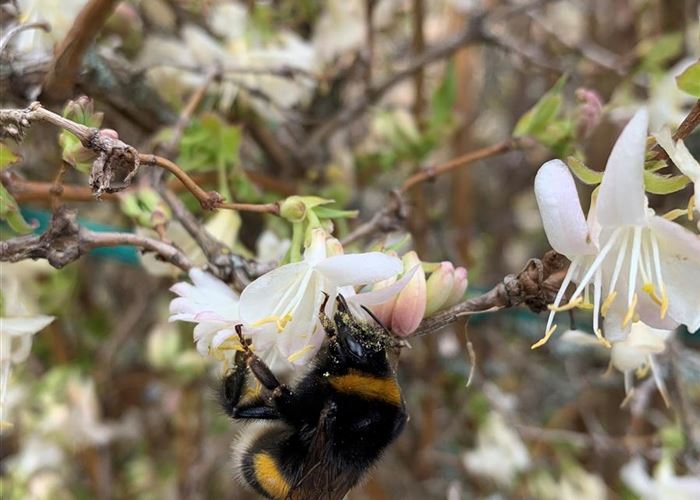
x=266 y=320
x=607 y=303
x=586 y=306
x=643 y=370
x=544 y=339
x=629 y=316
x=691 y=206
x=566 y=307
x=649 y=289
x=282 y=322
x=602 y=340
x=674 y=214
x=297 y=355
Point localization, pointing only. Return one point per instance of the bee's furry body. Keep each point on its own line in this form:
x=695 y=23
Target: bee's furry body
x=328 y=430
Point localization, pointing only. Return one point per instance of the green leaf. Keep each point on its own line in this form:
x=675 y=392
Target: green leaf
x=443 y=100
x=334 y=213
x=689 y=80
x=664 y=184
x=583 y=173
x=9 y=212
x=7 y=156
x=536 y=120
x=655 y=54
x=654 y=165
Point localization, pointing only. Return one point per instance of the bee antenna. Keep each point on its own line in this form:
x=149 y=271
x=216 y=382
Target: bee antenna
x=343 y=304
x=368 y=311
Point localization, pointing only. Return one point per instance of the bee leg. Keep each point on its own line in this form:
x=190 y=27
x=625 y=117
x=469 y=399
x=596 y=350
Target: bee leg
x=256 y=409
x=232 y=386
x=326 y=322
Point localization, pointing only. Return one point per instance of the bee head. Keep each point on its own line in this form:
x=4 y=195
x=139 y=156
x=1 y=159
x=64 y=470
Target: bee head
x=359 y=343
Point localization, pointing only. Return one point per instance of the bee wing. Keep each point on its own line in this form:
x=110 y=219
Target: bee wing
x=321 y=477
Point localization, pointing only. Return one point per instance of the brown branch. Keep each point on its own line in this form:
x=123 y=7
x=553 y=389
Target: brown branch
x=69 y=54
x=64 y=241
x=117 y=162
x=535 y=286
x=431 y=172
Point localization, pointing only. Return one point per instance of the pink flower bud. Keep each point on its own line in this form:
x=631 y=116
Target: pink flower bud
x=409 y=309
x=458 y=287
x=589 y=112
x=108 y=132
x=384 y=311
x=439 y=287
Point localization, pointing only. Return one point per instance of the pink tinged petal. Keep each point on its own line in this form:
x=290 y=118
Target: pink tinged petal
x=222 y=336
x=205 y=330
x=411 y=302
x=209 y=316
x=260 y=298
x=383 y=310
x=183 y=289
x=212 y=285
x=621 y=200
x=680 y=265
x=458 y=288
x=560 y=209
x=359 y=268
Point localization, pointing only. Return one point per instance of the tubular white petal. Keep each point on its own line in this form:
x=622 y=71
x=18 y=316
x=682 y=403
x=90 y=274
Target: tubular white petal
x=376 y=297
x=682 y=158
x=680 y=264
x=260 y=298
x=621 y=200
x=359 y=268
x=560 y=209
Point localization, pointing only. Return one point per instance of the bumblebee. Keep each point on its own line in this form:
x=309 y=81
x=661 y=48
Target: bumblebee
x=322 y=435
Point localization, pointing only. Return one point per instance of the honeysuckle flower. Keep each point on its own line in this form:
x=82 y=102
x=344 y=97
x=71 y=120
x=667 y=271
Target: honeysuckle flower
x=636 y=263
x=500 y=454
x=685 y=162
x=439 y=287
x=290 y=296
x=664 y=484
x=60 y=15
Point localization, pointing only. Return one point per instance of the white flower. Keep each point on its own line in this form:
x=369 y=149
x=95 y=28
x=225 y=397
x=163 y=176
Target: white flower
x=17 y=327
x=682 y=158
x=500 y=454
x=664 y=485
x=60 y=14
x=641 y=263
x=636 y=353
x=290 y=296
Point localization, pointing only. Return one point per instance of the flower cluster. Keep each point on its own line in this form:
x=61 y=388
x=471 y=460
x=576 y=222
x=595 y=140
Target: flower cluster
x=635 y=269
x=279 y=312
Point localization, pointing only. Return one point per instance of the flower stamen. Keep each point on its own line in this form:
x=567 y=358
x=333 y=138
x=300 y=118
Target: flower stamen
x=607 y=303
x=572 y=304
x=629 y=316
x=544 y=339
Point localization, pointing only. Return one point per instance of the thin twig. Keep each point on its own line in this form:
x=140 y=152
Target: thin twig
x=64 y=241
x=16 y=30
x=431 y=172
x=69 y=55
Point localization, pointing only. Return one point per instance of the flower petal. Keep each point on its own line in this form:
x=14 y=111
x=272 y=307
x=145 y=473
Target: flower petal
x=359 y=268
x=680 y=264
x=621 y=200
x=24 y=326
x=382 y=295
x=682 y=158
x=260 y=298
x=560 y=209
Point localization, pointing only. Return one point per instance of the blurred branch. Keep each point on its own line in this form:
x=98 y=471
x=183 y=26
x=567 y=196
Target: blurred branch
x=535 y=286
x=69 y=55
x=64 y=241
x=16 y=30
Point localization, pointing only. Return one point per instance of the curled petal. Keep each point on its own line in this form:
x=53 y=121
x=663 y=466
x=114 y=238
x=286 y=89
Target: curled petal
x=25 y=326
x=560 y=210
x=680 y=155
x=359 y=268
x=382 y=295
x=621 y=200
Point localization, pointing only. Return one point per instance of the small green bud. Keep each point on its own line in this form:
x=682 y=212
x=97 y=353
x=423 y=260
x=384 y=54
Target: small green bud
x=293 y=209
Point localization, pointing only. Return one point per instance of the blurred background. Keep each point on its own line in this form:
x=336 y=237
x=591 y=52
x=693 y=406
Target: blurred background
x=342 y=99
